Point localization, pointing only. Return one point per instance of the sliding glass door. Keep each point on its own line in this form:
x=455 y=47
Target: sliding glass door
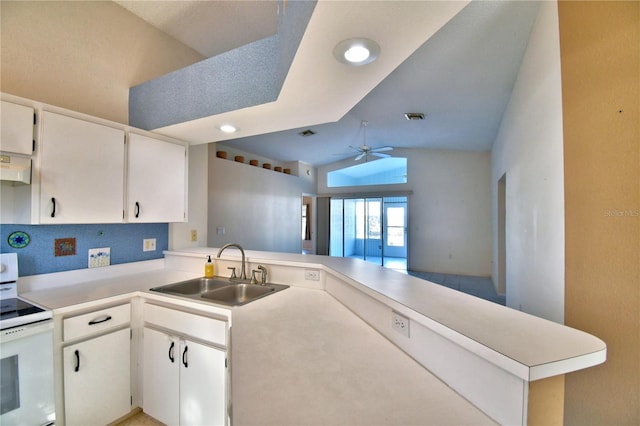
x=371 y=229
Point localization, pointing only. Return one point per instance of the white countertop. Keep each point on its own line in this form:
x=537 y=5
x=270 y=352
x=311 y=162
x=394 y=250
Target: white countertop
x=279 y=339
x=528 y=346
x=61 y=297
x=303 y=358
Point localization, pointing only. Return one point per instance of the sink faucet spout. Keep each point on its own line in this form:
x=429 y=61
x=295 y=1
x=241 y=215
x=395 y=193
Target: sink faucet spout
x=243 y=273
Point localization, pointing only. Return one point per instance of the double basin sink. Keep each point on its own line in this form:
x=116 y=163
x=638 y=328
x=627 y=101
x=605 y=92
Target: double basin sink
x=220 y=290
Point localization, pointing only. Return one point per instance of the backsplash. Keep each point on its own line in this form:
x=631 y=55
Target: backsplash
x=43 y=249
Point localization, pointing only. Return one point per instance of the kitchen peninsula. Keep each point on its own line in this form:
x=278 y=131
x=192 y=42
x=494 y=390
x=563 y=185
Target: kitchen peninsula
x=302 y=354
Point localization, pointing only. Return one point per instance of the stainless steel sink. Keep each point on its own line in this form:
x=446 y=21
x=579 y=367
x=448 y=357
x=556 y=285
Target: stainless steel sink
x=238 y=294
x=220 y=290
x=195 y=286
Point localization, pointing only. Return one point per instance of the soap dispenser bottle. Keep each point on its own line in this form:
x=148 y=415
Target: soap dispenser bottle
x=208 y=268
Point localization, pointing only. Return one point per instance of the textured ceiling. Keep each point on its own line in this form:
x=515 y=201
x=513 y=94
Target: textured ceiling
x=461 y=78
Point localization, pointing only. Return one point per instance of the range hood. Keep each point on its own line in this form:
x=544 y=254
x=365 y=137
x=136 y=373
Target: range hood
x=14 y=168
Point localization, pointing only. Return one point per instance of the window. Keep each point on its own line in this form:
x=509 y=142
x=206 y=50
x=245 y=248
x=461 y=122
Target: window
x=395 y=226
x=385 y=171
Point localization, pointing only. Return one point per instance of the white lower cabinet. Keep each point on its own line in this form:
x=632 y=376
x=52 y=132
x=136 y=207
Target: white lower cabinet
x=161 y=376
x=97 y=384
x=202 y=385
x=184 y=378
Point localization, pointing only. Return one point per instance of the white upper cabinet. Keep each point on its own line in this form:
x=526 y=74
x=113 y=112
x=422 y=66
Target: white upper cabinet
x=156 y=180
x=16 y=128
x=81 y=171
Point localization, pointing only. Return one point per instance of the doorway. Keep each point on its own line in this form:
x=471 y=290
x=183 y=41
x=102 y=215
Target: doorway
x=502 y=236
x=373 y=229
x=308 y=221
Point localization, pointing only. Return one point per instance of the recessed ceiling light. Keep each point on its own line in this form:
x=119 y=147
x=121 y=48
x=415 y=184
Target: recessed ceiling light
x=414 y=116
x=356 y=51
x=228 y=128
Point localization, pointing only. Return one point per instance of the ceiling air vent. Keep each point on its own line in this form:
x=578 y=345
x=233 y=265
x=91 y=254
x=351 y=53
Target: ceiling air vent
x=414 y=116
x=306 y=133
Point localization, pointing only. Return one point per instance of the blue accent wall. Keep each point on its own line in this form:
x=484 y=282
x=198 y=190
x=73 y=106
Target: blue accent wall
x=124 y=240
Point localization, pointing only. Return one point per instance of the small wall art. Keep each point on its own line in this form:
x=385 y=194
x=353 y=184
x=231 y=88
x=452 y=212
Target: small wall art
x=19 y=239
x=65 y=247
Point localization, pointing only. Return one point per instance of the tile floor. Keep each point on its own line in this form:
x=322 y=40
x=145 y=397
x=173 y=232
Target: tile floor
x=140 y=419
x=477 y=286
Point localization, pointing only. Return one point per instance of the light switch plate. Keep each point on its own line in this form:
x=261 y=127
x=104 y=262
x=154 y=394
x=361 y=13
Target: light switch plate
x=99 y=257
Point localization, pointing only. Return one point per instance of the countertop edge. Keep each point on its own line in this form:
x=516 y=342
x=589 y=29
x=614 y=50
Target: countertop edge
x=144 y=275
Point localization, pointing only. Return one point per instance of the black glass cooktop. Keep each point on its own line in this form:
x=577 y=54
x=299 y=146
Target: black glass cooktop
x=13 y=308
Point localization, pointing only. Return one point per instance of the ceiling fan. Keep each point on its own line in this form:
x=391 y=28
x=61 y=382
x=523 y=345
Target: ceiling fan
x=365 y=150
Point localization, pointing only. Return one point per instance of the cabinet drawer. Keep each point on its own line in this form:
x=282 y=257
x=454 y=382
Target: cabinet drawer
x=199 y=326
x=97 y=321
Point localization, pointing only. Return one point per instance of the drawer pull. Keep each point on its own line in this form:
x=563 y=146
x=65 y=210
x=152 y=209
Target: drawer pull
x=99 y=321
x=53 y=212
x=171 y=357
x=137 y=209
x=77 y=353
x=184 y=357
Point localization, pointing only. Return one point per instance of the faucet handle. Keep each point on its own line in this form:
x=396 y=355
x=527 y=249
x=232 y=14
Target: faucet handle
x=263 y=270
x=253 y=276
x=233 y=272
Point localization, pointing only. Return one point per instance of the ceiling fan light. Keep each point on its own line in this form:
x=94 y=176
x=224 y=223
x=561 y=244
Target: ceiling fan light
x=356 y=51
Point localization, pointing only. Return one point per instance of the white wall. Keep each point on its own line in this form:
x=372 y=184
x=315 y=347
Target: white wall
x=259 y=209
x=449 y=208
x=180 y=233
x=83 y=55
x=528 y=149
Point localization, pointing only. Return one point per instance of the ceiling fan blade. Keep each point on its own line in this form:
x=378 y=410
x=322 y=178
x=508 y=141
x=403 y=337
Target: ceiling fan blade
x=359 y=157
x=378 y=154
x=382 y=148
x=356 y=148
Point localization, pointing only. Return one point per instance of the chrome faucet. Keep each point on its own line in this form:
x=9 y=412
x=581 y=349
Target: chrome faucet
x=243 y=273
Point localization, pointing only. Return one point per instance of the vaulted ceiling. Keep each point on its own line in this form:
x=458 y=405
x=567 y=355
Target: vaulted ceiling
x=455 y=62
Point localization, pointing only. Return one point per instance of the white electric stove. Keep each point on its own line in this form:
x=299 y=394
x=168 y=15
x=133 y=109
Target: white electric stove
x=26 y=354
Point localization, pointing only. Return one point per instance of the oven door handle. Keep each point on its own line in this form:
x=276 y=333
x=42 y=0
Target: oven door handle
x=101 y=320
x=77 y=353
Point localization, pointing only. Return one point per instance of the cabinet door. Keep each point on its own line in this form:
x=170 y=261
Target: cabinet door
x=156 y=180
x=202 y=385
x=81 y=171
x=16 y=128
x=97 y=385
x=161 y=376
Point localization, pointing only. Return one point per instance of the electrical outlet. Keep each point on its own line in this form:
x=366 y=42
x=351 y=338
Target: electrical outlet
x=400 y=323
x=194 y=235
x=312 y=275
x=149 y=244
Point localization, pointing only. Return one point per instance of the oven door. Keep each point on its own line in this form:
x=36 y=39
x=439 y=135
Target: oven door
x=26 y=375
